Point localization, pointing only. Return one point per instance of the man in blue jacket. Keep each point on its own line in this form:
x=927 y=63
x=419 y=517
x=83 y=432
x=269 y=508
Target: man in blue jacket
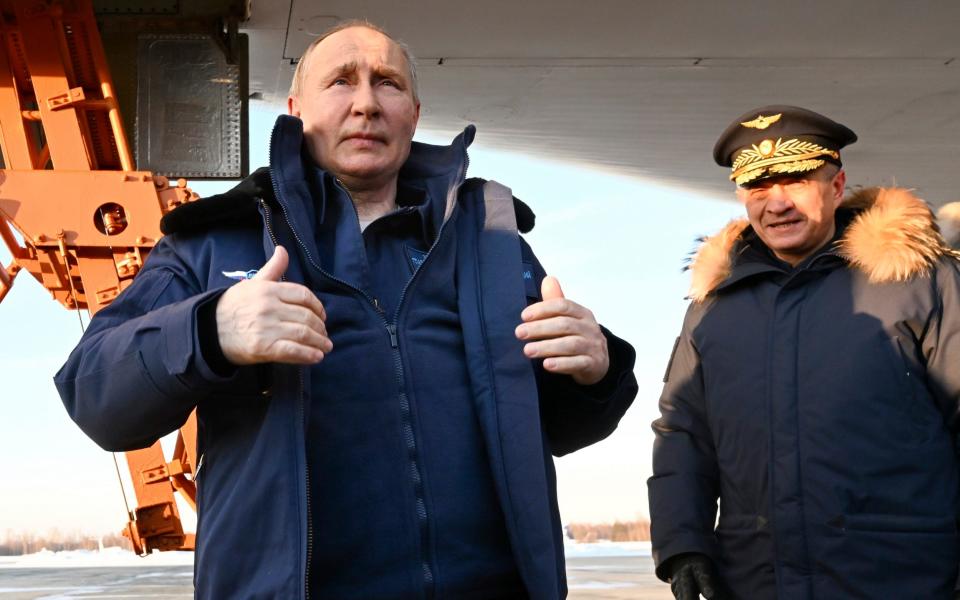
x=379 y=394
x=814 y=389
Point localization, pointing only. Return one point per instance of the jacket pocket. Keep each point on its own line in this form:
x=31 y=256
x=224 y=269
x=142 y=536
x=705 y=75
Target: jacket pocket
x=896 y=523
x=889 y=556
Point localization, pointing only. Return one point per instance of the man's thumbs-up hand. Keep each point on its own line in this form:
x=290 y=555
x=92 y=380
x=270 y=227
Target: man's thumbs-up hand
x=567 y=336
x=274 y=269
x=550 y=289
x=264 y=319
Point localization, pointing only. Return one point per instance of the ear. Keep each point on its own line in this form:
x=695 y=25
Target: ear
x=838 y=186
x=416 y=116
x=293 y=106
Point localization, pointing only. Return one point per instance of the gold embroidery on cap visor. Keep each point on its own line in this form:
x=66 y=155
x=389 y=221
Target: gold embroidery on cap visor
x=790 y=156
x=799 y=166
x=762 y=122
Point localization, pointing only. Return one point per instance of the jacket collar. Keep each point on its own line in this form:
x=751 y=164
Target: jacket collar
x=891 y=236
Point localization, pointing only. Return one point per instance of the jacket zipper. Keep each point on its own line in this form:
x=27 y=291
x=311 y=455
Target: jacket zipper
x=409 y=438
x=303 y=420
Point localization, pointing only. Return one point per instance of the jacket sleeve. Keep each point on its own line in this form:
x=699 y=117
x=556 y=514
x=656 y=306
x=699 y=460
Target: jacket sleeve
x=138 y=372
x=941 y=344
x=575 y=416
x=941 y=347
x=684 y=488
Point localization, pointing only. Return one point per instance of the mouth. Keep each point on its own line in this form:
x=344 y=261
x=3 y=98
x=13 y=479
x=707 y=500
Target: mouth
x=784 y=224
x=365 y=137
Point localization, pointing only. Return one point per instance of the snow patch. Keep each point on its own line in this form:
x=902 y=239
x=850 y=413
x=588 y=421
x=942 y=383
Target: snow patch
x=108 y=557
x=599 y=585
x=605 y=549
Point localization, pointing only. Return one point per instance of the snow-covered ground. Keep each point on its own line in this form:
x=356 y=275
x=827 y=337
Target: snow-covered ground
x=108 y=557
x=605 y=549
x=118 y=557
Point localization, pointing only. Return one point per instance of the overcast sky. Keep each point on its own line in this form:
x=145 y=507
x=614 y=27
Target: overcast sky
x=617 y=245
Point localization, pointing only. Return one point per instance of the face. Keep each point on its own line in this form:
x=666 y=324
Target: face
x=793 y=215
x=357 y=107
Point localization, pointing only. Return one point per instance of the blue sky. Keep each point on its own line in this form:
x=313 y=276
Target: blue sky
x=616 y=244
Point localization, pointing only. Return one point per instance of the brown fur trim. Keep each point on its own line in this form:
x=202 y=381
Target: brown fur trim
x=949 y=219
x=894 y=238
x=713 y=261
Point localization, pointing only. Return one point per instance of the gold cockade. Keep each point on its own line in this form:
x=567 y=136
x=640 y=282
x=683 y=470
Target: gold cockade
x=762 y=122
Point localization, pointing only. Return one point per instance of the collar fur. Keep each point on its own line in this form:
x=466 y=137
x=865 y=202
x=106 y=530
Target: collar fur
x=893 y=237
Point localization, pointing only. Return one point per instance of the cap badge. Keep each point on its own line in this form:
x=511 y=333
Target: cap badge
x=762 y=122
x=766 y=148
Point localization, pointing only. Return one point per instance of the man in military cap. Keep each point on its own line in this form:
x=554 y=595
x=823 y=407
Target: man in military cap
x=814 y=387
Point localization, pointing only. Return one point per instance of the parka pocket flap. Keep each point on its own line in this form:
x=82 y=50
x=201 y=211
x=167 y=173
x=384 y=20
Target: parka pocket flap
x=896 y=523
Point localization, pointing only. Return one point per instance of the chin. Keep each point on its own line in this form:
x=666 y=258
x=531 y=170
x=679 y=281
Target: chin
x=368 y=170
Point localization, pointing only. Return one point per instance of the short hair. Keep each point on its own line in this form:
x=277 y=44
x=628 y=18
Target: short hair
x=827 y=172
x=296 y=86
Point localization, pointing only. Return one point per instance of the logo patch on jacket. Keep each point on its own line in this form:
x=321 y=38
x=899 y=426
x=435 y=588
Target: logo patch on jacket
x=240 y=275
x=529 y=282
x=416 y=257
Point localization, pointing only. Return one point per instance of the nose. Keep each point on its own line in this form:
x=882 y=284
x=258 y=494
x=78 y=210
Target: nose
x=365 y=101
x=778 y=200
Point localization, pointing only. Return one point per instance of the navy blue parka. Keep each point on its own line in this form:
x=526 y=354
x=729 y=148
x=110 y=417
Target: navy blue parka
x=139 y=371
x=819 y=405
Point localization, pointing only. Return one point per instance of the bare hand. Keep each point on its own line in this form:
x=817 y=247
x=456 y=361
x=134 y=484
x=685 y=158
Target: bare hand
x=570 y=340
x=266 y=320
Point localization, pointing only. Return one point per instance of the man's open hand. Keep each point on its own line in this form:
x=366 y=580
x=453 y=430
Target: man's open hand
x=266 y=320
x=568 y=337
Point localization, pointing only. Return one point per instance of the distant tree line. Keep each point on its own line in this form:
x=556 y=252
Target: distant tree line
x=618 y=531
x=16 y=543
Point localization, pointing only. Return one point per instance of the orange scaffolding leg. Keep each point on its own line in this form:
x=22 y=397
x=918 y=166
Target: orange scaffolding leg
x=71 y=192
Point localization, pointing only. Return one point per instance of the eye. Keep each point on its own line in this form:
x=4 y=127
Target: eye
x=390 y=82
x=797 y=184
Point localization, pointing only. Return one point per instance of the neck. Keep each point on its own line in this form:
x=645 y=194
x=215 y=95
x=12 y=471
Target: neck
x=373 y=202
x=796 y=259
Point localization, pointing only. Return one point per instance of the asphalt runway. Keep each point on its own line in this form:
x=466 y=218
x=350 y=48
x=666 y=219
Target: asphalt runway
x=595 y=578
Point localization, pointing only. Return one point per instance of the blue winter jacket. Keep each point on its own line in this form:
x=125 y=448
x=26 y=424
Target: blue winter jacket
x=820 y=405
x=139 y=370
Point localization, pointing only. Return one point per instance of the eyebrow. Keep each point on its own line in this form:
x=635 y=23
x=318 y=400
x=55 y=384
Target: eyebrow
x=347 y=68
x=383 y=71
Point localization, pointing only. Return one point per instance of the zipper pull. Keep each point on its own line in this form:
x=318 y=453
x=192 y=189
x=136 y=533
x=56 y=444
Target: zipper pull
x=376 y=305
x=392 y=330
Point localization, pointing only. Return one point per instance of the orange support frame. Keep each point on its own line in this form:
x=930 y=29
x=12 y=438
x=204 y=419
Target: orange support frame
x=75 y=213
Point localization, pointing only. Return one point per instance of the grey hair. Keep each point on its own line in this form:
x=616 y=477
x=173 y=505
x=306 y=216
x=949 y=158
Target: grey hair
x=296 y=86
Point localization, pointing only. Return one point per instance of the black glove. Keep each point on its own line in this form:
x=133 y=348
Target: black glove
x=692 y=575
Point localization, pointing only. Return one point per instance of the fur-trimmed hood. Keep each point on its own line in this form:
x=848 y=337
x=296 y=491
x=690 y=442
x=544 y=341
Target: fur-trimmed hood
x=892 y=237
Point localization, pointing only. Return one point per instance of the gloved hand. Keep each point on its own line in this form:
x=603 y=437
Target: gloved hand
x=694 y=574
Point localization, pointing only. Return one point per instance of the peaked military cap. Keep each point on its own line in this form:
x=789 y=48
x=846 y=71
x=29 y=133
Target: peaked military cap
x=779 y=140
